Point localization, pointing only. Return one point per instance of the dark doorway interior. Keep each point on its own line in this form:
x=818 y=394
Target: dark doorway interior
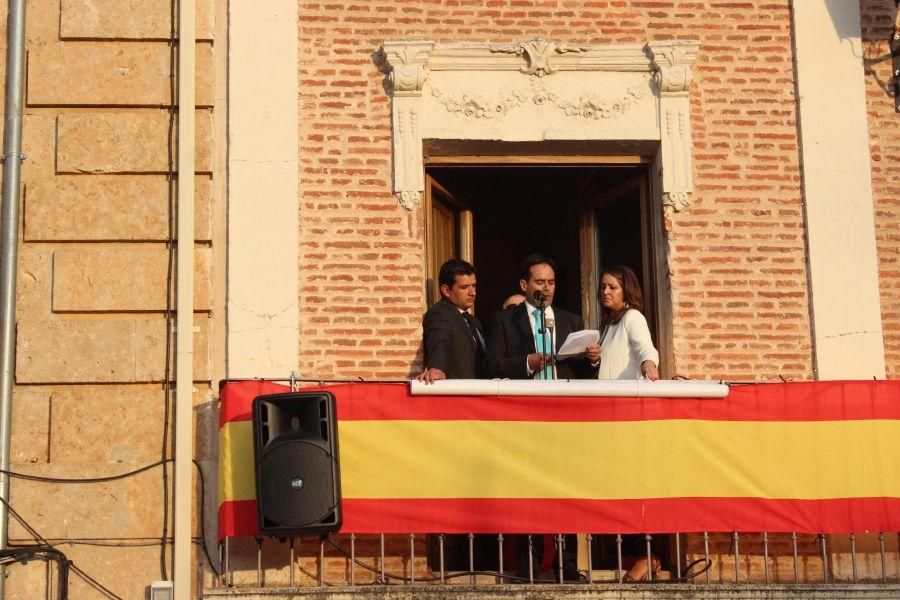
x=522 y=209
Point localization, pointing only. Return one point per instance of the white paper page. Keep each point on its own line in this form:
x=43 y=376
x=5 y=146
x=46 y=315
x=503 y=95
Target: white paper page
x=577 y=342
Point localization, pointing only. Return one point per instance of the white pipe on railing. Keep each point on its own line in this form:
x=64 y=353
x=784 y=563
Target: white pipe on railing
x=184 y=319
x=12 y=163
x=630 y=388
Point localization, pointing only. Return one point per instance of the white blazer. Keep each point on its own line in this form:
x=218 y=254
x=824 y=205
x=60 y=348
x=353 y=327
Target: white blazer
x=625 y=346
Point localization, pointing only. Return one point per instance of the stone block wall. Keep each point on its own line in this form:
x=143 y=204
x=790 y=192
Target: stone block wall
x=94 y=274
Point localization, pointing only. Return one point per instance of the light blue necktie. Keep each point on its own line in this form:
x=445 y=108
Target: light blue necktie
x=541 y=341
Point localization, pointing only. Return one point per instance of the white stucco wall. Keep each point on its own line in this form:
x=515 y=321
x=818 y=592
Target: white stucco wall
x=263 y=221
x=843 y=264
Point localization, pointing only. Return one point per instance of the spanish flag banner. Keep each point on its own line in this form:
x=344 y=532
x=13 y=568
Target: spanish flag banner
x=814 y=457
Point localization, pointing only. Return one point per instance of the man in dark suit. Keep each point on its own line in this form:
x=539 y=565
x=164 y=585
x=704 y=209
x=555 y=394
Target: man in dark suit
x=454 y=339
x=514 y=337
x=520 y=346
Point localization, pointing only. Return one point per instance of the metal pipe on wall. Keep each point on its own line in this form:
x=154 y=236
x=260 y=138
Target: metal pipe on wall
x=184 y=319
x=12 y=163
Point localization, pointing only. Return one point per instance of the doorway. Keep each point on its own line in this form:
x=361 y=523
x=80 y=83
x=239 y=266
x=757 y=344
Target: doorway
x=582 y=216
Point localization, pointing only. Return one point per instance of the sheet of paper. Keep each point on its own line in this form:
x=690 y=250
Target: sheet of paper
x=577 y=342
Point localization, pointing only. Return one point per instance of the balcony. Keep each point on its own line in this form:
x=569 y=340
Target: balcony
x=783 y=490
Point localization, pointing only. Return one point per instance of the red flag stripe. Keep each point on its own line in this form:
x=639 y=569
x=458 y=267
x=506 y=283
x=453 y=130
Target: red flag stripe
x=658 y=515
x=807 y=401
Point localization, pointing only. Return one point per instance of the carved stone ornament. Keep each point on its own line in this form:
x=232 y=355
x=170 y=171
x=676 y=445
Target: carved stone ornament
x=409 y=200
x=676 y=200
x=538 y=53
x=405 y=66
x=595 y=106
x=478 y=107
x=673 y=63
x=599 y=107
x=422 y=77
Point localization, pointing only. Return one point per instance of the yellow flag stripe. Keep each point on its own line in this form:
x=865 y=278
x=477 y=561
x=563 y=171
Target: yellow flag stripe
x=599 y=460
x=236 y=473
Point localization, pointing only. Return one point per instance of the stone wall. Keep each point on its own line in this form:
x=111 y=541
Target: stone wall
x=92 y=284
x=884 y=133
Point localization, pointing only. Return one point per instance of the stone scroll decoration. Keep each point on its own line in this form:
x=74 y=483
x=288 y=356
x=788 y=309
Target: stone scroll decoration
x=672 y=61
x=423 y=77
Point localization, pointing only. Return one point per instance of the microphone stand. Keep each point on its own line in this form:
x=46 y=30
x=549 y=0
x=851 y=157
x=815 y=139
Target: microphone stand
x=543 y=330
x=551 y=326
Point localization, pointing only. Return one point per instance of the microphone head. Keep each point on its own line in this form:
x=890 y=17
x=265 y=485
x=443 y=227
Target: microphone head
x=539 y=296
x=551 y=322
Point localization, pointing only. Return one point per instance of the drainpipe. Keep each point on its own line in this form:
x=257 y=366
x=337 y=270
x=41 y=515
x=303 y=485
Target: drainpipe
x=184 y=317
x=12 y=154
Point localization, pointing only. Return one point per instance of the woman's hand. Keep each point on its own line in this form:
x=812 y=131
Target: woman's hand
x=649 y=370
x=592 y=353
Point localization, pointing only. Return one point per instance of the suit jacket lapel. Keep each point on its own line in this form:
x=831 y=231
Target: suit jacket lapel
x=463 y=326
x=523 y=323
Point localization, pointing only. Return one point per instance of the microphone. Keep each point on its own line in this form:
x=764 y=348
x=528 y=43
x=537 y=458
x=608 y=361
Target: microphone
x=540 y=296
x=549 y=324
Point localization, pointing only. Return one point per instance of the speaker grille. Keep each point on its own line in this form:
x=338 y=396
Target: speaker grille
x=296 y=483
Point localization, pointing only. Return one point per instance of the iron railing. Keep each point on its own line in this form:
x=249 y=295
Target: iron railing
x=682 y=565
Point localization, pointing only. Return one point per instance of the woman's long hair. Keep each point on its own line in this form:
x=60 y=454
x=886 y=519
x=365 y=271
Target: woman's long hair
x=631 y=294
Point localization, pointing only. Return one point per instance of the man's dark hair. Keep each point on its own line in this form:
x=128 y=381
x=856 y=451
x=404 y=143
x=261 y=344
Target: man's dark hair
x=534 y=259
x=451 y=269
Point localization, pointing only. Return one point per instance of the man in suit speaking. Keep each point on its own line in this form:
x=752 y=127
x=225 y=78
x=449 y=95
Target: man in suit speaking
x=453 y=338
x=520 y=346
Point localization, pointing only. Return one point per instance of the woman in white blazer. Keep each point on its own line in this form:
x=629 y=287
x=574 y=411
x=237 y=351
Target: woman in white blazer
x=625 y=351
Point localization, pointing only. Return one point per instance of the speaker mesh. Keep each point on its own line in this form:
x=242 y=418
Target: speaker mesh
x=285 y=464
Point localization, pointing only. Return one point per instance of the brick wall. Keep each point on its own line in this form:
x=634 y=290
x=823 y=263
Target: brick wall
x=93 y=268
x=737 y=253
x=884 y=136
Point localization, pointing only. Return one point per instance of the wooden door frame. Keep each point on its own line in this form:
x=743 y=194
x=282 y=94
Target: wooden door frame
x=654 y=256
x=465 y=226
x=652 y=217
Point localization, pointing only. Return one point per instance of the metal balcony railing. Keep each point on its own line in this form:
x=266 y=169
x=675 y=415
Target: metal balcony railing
x=380 y=559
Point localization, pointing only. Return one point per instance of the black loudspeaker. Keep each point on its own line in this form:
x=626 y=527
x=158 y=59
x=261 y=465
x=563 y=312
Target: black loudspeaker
x=298 y=480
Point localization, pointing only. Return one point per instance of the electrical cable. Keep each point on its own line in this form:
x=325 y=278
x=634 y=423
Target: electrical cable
x=203 y=518
x=25 y=553
x=163 y=541
x=77 y=570
x=109 y=544
x=170 y=271
x=43 y=479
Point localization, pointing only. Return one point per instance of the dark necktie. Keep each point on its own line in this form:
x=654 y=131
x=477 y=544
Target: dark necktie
x=476 y=335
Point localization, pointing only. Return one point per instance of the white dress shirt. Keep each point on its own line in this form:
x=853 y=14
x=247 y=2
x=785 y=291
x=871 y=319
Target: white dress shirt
x=548 y=315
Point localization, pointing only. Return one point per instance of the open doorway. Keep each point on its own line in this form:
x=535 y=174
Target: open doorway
x=583 y=216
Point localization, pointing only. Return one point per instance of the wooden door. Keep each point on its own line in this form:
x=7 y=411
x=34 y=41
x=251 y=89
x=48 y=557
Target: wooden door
x=448 y=233
x=617 y=227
